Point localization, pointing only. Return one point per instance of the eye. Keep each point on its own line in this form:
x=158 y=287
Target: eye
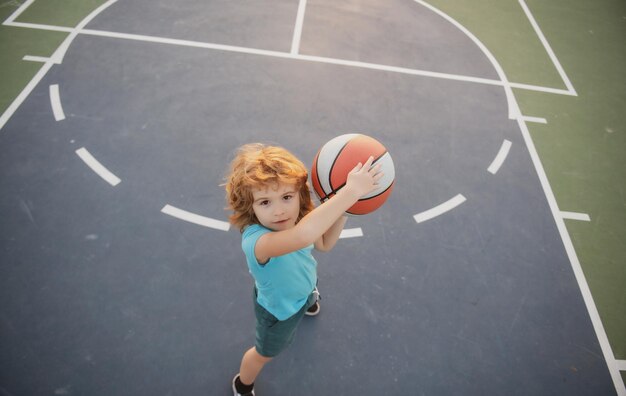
x=264 y=203
x=288 y=197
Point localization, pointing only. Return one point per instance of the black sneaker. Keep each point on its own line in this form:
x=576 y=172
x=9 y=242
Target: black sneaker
x=313 y=309
x=235 y=393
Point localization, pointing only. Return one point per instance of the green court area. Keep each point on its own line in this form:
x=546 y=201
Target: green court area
x=581 y=145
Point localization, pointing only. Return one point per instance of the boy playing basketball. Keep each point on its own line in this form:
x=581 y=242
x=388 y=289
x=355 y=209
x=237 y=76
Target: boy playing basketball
x=267 y=190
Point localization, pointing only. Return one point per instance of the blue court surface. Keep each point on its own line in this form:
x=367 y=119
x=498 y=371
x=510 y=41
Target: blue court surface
x=120 y=275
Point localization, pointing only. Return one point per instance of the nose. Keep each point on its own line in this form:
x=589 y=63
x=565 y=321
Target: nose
x=278 y=210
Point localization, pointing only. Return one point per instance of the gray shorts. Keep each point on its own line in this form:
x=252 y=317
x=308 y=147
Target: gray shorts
x=273 y=335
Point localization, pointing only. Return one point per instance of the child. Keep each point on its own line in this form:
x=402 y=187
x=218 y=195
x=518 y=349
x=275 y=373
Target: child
x=267 y=191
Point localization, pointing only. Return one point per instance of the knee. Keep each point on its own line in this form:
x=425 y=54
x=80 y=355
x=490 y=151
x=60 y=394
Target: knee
x=264 y=359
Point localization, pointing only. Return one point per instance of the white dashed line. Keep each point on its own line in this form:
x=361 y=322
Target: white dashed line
x=55 y=101
x=575 y=216
x=440 y=209
x=195 y=219
x=500 y=157
x=351 y=233
x=97 y=167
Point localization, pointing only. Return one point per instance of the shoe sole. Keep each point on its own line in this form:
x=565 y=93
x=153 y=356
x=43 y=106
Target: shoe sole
x=314 y=313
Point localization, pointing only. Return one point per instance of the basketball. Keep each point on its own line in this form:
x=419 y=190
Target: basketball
x=339 y=156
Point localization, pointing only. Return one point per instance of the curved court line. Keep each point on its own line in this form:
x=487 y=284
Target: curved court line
x=59 y=54
x=195 y=219
x=351 y=233
x=500 y=157
x=440 y=209
x=97 y=167
x=55 y=101
x=514 y=110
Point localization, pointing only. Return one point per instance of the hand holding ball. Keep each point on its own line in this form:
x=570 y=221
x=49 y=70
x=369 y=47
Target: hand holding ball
x=339 y=156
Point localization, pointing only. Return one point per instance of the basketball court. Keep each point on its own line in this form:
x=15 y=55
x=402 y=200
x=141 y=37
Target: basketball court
x=121 y=276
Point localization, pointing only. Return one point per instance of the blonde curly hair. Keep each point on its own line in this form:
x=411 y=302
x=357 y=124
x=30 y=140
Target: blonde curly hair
x=257 y=166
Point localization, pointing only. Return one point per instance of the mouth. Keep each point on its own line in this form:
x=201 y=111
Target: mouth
x=281 y=221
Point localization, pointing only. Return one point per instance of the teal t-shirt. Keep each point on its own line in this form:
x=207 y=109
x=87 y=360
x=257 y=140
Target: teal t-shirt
x=284 y=283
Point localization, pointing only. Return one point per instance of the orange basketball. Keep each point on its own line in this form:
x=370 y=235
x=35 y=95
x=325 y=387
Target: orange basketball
x=339 y=156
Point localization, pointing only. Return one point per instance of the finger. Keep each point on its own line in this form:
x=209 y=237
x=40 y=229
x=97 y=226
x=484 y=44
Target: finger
x=357 y=168
x=376 y=168
x=369 y=162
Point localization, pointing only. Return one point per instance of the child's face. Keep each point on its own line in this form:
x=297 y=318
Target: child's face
x=277 y=206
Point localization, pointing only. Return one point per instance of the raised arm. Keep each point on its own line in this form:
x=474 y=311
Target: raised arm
x=361 y=180
x=328 y=239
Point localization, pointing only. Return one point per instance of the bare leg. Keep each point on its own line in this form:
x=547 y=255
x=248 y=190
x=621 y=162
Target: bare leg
x=251 y=365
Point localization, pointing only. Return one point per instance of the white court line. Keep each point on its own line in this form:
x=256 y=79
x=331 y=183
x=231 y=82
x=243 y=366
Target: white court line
x=297 y=33
x=401 y=70
x=500 y=157
x=621 y=365
x=8 y=113
x=31 y=58
x=195 y=219
x=185 y=43
x=598 y=327
x=24 y=94
x=285 y=55
x=546 y=45
x=440 y=209
x=18 y=12
x=97 y=167
x=55 y=101
x=351 y=233
x=575 y=216
x=513 y=107
x=530 y=87
x=537 y=120
x=39 y=26
x=59 y=54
